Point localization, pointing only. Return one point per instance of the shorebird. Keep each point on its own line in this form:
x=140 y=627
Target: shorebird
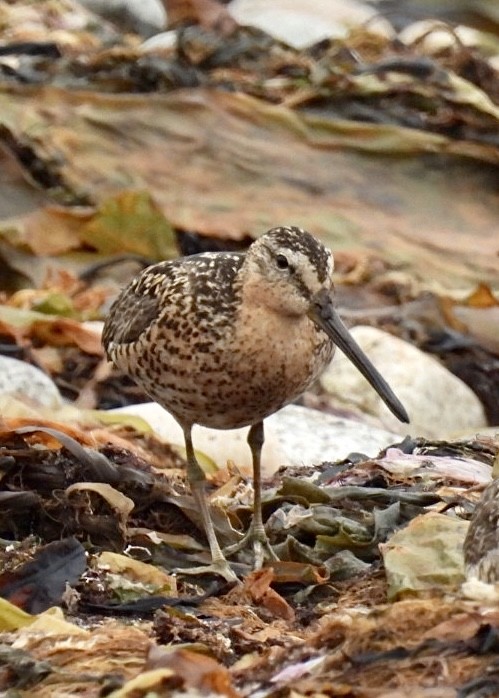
x=225 y=339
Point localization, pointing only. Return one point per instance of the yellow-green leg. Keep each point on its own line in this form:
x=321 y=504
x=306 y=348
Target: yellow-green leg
x=197 y=481
x=256 y=534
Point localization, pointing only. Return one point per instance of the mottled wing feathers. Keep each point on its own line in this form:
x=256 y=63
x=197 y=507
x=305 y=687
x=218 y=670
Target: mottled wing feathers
x=167 y=289
x=138 y=305
x=126 y=322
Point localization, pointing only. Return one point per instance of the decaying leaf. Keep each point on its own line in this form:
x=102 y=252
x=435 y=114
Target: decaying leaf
x=426 y=556
x=258 y=586
x=12 y=617
x=317 y=144
x=130 y=222
x=39 y=584
x=120 y=503
x=49 y=329
x=195 y=670
x=146 y=577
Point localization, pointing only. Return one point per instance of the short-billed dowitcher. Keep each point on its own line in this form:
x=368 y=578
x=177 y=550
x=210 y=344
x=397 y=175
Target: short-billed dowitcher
x=225 y=339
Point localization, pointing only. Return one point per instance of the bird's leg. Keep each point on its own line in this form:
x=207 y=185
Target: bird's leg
x=197 y=481
x=256 y=533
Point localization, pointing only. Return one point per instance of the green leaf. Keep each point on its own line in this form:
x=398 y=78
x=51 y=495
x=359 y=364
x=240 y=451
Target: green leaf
x=130 y=222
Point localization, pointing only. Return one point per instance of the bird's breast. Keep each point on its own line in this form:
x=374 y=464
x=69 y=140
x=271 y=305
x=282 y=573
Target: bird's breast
x=226 y=376
x=277 y=358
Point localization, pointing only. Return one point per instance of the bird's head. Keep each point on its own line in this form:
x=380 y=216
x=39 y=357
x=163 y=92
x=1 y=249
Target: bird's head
x=286 y=268
x=290 y=272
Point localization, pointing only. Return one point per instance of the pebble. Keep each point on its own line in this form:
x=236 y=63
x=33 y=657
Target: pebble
x=28 y=383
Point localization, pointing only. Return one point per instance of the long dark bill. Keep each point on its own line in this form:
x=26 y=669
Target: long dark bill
x=324 y=314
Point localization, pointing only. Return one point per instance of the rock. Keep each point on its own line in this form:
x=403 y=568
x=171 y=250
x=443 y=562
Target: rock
x=302 y=24
x=145 y=17
x=293 y=436
x=159 y=42
x=28 y=383
x=309 y=437
x=439 y=404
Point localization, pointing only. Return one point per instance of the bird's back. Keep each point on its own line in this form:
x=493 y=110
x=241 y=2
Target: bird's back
x=173 y=293
x=170 y=327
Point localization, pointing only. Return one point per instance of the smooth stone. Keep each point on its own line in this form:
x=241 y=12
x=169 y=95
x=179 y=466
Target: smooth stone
x=439 y=404
x=28 y=383
x=310 y=437
x=145 y=17
x=160 y=42
x=293 y=436
x=304 y=24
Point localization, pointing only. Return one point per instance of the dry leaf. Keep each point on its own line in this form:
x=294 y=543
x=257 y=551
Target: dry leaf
x=258 y=584
x=207 y=13
x=118 y=501
x=197 y=671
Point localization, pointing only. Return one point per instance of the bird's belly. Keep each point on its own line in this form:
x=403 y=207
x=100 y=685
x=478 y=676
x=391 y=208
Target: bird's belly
x=276 y=365
x=230 y=383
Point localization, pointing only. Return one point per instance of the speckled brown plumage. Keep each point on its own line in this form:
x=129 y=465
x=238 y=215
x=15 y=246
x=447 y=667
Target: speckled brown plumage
x=226 y=339
x=481 y=545
x=182 y=331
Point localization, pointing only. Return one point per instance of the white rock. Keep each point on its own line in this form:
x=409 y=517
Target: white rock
x=302 y=23
x=159 y=42
x=439 y=404
x=220 y=446
x=309 y=437
x=293 y=436
x=28 y=383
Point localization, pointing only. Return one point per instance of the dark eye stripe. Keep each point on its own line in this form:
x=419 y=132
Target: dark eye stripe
x=302 y=287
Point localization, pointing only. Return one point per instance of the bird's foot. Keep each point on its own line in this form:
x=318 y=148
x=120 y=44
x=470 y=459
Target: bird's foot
x=257 y=538
x=219 y=566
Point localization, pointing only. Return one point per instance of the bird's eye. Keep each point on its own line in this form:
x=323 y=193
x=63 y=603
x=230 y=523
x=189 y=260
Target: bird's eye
x=282 y=261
